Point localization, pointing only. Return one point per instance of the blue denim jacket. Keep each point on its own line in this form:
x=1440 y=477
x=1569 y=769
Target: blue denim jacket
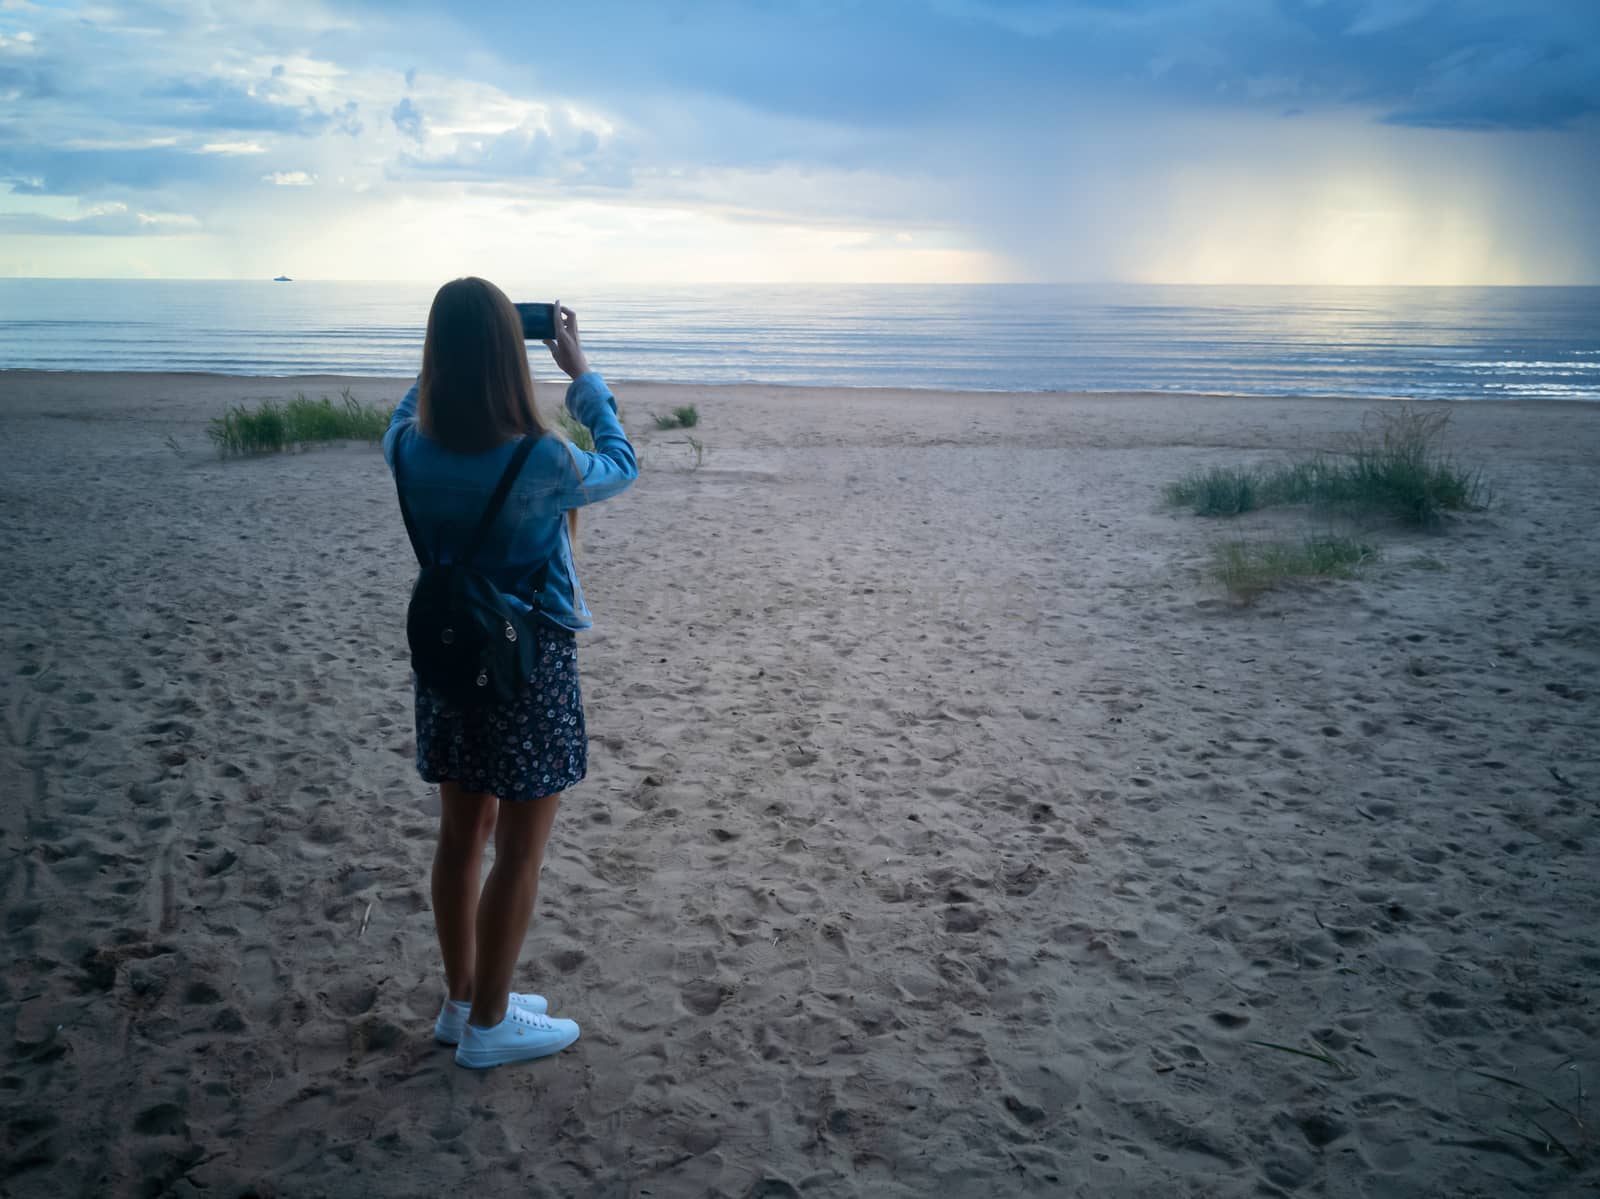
x=448 y=492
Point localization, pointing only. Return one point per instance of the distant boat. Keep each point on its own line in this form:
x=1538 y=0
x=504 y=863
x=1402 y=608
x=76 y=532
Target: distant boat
x=282 y=279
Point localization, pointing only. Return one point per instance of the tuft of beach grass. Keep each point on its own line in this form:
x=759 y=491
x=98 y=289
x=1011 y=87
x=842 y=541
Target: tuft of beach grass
x=685 y=417
x=1248 y=568
x=1395 y=467
x=274 y=427
x=1221 y=491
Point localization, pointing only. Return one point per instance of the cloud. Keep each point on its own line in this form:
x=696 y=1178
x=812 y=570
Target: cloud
x=548 y=143
x=1491 y=88
x=346 y=119
x=37 y=170
x=25 y=81
x=111 y=221
x=407 y=117
x=1385 y=16
x=216 y=103
x=289 y=179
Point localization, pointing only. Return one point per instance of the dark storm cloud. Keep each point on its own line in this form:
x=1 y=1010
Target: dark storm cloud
x=1479 y=64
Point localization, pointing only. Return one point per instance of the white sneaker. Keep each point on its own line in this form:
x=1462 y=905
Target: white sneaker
x=453 y=1015
x=521 y=1036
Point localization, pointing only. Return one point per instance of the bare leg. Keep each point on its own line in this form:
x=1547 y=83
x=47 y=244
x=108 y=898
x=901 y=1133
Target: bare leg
x=466 y=819
x=520 y=836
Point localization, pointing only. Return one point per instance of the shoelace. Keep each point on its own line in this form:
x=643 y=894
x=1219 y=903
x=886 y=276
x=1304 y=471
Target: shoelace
x=532 y=1019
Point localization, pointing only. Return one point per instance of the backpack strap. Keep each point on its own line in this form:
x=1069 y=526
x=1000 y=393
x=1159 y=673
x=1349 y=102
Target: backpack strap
x=498 y=499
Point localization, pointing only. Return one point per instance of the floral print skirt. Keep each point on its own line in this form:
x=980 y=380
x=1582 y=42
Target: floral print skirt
x=535 y=745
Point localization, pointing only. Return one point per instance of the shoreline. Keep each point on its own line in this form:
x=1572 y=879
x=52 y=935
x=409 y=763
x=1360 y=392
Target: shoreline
x=25 y=374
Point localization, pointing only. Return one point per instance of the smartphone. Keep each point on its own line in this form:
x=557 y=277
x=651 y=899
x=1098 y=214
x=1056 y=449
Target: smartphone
x=538 y=321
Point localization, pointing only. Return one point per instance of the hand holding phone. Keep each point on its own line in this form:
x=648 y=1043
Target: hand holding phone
x=563 y=343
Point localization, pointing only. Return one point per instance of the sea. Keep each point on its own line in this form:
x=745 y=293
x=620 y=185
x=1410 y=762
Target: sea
x=1455 y=343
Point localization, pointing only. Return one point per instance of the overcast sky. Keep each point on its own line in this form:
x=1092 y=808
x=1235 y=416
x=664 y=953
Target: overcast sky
x=1213 y=141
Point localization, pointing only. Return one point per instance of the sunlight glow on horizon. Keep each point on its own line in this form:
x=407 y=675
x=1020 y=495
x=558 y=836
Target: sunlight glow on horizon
x=1361 y=231
x=1364 y=233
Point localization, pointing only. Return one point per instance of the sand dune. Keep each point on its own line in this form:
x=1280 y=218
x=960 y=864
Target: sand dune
x=947 y=832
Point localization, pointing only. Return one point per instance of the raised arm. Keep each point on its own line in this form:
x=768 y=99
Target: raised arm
x=612 y=466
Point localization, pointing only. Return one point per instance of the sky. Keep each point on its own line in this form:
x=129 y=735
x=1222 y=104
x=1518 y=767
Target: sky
x=904 y=141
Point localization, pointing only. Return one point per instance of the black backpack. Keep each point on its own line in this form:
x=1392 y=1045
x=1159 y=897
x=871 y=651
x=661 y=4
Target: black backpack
x=468 y=642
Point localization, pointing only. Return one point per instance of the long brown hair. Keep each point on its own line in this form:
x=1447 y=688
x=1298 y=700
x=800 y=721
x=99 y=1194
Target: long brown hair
x=476 y=392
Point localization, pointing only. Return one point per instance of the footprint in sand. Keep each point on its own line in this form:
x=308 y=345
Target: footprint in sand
x=703 y=996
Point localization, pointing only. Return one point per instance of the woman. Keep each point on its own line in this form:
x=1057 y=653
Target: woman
x=501 y=768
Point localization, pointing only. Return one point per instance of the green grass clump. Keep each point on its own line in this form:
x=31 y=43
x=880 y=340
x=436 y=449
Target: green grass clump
x=1402 y=471
x=240 y=431
x=575 y=432
x=1247 y=568
x=1397 y=470
x=686 y=417
x=1221 y=491
x=301 y=421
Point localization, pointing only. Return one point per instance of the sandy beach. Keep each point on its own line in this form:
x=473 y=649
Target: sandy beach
x=947 y=831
